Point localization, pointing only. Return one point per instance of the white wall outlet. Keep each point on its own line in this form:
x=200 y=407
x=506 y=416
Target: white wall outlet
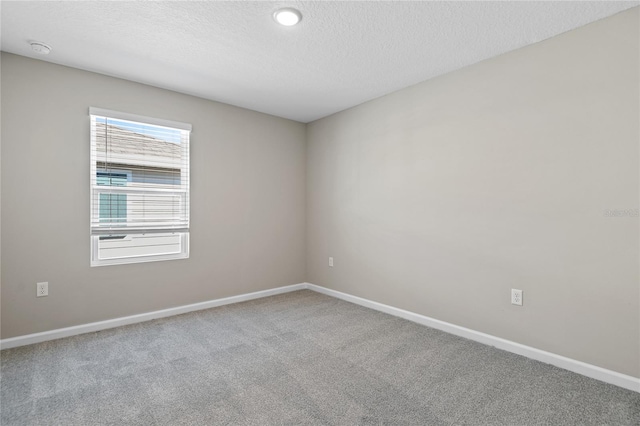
x=516 y=297
x=331 y=262
x=42 y=289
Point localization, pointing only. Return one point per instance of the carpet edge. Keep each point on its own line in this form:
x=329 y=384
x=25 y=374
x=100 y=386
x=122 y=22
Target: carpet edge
x=573 y=365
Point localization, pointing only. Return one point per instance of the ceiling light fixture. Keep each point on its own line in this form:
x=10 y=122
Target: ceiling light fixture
x=40 y=47
x=287 y=16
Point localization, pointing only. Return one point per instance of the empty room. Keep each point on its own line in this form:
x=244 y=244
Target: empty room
x=319 y=213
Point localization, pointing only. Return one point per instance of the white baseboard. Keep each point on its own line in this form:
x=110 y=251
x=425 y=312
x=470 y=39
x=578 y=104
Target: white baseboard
x=589 y=370
x=44 y=336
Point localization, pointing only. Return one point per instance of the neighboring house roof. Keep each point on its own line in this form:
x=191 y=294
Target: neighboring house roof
x=130 y=148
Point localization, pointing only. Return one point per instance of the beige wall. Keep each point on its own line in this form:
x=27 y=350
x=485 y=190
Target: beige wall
x=442 y=197
x=247 y=201
x=437 y=199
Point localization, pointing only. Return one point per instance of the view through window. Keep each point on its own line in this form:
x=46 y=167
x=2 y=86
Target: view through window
x=139 y=188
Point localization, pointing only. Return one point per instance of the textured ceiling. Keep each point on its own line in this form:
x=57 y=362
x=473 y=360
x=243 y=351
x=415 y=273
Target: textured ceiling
x=340 y=55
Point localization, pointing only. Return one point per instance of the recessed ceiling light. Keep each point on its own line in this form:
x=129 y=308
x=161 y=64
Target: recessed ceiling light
x=40 y=47
x=287 y=16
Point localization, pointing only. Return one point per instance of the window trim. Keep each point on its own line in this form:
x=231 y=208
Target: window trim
x=95 y=234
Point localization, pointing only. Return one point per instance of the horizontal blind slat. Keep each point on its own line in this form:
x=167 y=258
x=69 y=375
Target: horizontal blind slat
x=137 y=231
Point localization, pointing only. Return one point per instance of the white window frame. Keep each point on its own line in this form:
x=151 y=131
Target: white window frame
x=95 y=233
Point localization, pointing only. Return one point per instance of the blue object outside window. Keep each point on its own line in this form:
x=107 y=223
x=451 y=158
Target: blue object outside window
x=113 y=207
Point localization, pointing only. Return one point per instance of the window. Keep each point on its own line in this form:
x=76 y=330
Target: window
x=113 y=207
x=139 y=188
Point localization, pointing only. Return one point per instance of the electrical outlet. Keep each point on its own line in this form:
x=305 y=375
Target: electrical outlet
x=516 y=297
x=331 y=262
x=42 y=289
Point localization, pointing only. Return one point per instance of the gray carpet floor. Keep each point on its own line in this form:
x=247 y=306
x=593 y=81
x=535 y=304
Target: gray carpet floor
x=300 y=358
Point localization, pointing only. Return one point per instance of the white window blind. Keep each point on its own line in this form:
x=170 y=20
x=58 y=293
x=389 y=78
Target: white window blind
x=139 y=188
